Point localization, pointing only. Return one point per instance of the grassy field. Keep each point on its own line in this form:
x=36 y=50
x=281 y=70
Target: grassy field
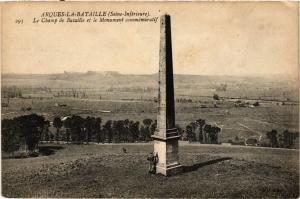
x=105 y=171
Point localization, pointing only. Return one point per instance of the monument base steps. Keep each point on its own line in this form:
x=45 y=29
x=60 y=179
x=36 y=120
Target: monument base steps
x=170 y=170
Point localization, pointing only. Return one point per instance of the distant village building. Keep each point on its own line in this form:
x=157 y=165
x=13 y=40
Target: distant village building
x=60 y=105
x=64 y=118
x=251 y=142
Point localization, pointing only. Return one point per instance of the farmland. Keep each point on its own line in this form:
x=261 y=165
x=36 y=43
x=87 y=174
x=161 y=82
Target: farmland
x=113 y=96
x=259 y=119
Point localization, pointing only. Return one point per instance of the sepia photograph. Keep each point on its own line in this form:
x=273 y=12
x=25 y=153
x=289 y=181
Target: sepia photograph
x=153 y=99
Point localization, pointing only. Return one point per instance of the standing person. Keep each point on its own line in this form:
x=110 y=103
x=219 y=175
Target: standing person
x=153 y=160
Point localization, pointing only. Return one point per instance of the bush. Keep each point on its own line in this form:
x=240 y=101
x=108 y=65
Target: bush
x=216 y=97
x=256 y=104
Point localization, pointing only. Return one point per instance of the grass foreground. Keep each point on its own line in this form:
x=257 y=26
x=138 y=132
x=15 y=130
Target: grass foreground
x=105 y=171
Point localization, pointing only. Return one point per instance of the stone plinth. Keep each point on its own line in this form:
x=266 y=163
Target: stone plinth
x=167 y=150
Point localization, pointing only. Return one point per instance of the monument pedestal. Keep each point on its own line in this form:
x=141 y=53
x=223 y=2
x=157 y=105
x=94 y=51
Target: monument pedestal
x=167 y=149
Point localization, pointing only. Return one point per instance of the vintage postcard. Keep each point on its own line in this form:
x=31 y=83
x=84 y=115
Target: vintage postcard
x=150 y=99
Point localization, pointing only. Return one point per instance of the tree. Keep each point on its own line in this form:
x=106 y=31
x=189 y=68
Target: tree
x=89 y=126
x=280 y=139
x=51 y=136
x=236 y=139
x=134 y=130
x=75 y=127
x=67 y=124
x=143 y=132
x=97 y=130
x=289 y=138
x=207 y=129
x=213 y=135
x=201 y=123
x=190 y=134
x=57 y=123
x=118 y=130
x=107 y=127
x=256 y=104
x=272 y=135
x=32 y=127
x=216 y=97
x=147 y=131
x=45 y=134
x=153 y=127
x=194 y=126
x=10 y=138
x=126 y=130
x=147 y=122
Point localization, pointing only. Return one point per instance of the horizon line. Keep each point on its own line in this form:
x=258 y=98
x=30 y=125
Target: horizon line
x=99 y=72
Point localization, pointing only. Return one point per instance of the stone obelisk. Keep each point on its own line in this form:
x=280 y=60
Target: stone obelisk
x=166 y=135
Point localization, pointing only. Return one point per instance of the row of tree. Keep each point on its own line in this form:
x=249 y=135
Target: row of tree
x=77 y=130
x=72 y=93
x=131 y=89
x=11 y=92
x=29 y=130
x=200 y=131
x=286 y=139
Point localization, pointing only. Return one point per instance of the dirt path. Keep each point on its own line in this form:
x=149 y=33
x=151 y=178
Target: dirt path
x=257 y=132
x=8 y=113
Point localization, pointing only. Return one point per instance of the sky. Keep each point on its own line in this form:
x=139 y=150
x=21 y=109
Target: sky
x=209 y=38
